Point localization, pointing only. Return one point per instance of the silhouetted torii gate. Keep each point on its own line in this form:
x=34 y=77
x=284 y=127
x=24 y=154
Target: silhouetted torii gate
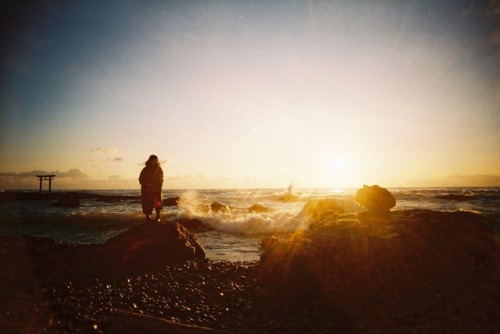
x=46 y=177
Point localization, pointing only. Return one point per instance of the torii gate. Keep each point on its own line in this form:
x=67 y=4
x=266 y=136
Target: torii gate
x=46 y=177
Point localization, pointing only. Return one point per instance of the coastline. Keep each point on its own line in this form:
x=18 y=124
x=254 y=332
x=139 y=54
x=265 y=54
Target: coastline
x=414 y=270
x=45 y=289
x=57 y=195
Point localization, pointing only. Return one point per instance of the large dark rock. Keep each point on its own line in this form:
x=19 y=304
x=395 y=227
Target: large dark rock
x=420 y=271
x=375 y=199
x=152 y=245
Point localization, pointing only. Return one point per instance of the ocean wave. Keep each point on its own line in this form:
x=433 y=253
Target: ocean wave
x=95 y=220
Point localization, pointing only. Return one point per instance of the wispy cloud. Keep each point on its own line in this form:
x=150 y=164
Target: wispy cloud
x=74 y=173
x=108 y=150
x=105 y=154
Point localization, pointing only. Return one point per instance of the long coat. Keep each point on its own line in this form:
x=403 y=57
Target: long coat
x=151 y=180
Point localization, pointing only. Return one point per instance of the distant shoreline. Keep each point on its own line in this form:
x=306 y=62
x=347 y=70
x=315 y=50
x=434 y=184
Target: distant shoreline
x=37 y=196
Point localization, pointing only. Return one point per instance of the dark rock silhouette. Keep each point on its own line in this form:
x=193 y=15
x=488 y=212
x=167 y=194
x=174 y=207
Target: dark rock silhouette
x=220 y=207
x=435 y=271
x=375 y=199
x=257 y=208
x=152 y=245
x=171 y=201
x=215 y=207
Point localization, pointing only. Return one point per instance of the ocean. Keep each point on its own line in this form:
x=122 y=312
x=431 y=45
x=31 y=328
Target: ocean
x=234 y=235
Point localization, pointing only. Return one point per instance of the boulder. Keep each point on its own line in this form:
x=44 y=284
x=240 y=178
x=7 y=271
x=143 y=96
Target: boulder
x=152 y=245
x=220 y=207
x=257 y=208
x=425 y=270
x=171 y=201
x=375 y=199
x=214 y=207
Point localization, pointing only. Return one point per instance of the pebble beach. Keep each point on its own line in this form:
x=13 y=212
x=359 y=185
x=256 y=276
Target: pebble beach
x=223 y=296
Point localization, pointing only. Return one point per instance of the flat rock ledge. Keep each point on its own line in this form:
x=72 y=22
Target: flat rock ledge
x=410 y=272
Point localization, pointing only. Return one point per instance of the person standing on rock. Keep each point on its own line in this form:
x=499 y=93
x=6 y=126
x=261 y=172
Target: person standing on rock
x=151 y=180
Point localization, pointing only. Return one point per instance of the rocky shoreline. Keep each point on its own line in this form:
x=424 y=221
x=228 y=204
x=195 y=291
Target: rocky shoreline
x=415 y=271
x=44 y=290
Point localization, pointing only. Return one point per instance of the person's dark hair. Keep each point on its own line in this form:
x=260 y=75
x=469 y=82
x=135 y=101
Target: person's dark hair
x=151 y=158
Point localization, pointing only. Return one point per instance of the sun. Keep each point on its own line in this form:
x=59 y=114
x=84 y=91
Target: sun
x=339 y=171
x=338 y=166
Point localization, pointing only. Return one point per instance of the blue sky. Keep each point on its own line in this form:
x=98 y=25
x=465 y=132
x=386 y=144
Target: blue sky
x=250 y=93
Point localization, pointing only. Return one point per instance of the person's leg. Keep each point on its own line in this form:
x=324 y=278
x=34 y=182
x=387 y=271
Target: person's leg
x=157 y=204
x=147 y=205
x=157 y=218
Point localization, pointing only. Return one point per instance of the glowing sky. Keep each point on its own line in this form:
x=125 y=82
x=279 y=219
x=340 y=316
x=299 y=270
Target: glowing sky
x=250 y=93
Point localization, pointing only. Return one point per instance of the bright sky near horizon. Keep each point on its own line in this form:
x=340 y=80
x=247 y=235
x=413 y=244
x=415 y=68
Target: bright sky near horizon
x=236 y=94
